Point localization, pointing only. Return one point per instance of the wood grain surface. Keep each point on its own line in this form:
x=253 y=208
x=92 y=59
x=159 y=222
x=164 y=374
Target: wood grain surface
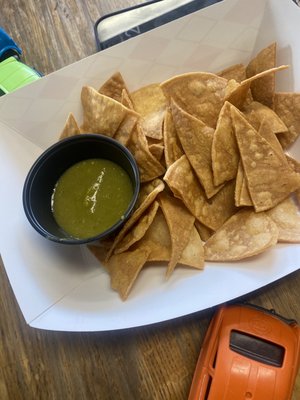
x=152 y=362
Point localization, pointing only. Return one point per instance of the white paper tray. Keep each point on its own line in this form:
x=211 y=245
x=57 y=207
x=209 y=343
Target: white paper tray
x=64 y=288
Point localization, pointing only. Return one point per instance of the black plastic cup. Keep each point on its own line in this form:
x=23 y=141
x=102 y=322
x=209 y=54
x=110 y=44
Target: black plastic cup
x=47 y=169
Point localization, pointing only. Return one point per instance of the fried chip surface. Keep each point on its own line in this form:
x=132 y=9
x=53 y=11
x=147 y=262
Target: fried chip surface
x=244 y=235
x=241 y=195
x=267 y=132
x=185 y=186
x=256 y=112
x=240 y=94
x=269 y=177
x=138 y=230
x=225 y=153
x=122 y=279
x=193 y=254
x=102 y=114
x=172 y=146
x=125 y=129
x=287 y=106
x=287 y=218
x=114 y=86
x=158 y=241
x=237 y=94
x=198 y=93
x=150 y=102
x=180 y=223
x=204 y=232
x=71 y=127
x=263 y=89
x=196 y=139
x=126 y=100
x=149 y=195
x=149 y=167
x=157 y=150
x=149 y=191
x=236 y=72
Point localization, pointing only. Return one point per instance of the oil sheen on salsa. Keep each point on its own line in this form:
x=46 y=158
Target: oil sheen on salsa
x=90 y=197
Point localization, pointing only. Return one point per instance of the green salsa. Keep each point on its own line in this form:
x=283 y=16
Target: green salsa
x=90 y=197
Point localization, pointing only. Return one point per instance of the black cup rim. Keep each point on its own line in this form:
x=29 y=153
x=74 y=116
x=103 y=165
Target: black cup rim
x=48 y=153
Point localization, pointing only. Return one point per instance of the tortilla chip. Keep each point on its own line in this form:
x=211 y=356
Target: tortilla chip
x=114 y=87
x=204 y=232
x=200 y=94
x=297 y=194
x=173 y=148
x=138 y=230
x=150 y=102
x=126 y=100
x=157 y=150
x=224 y=152
x=287 y=106
x=266 y=72
x=126 y=128
x=100 y=250
x=256 y=112
x=239 y=94
x=266 y=131
x=196 y=139
x=193 y=254
x=241 y=194
x=131 y=262
x=263 y=89
x=295 y=165
x=185 y=186
x=269 y=177
x=287 y=218
x=152 y=141
x=236 y=72
x=238 y=184
x=148 y=198
x=245 y=198
x=149 y=167
x=71 y=127
x=102 y=114
x=180 y=222
x=158 y=240
x=148 y=188
x=244 y=235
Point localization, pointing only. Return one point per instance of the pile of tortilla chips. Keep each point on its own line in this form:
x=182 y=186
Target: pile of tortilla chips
x=216 y=183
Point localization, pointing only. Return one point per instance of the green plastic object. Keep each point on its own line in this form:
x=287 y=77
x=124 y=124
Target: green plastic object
x=14 y=74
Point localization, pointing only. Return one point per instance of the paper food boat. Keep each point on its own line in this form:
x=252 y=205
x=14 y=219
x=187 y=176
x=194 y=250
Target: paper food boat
x=64 y=288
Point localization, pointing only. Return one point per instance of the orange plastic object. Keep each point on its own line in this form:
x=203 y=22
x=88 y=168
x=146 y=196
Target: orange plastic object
x=248 y=353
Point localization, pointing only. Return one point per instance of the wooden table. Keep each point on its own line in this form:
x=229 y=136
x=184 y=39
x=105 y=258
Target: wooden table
x=152 y=362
